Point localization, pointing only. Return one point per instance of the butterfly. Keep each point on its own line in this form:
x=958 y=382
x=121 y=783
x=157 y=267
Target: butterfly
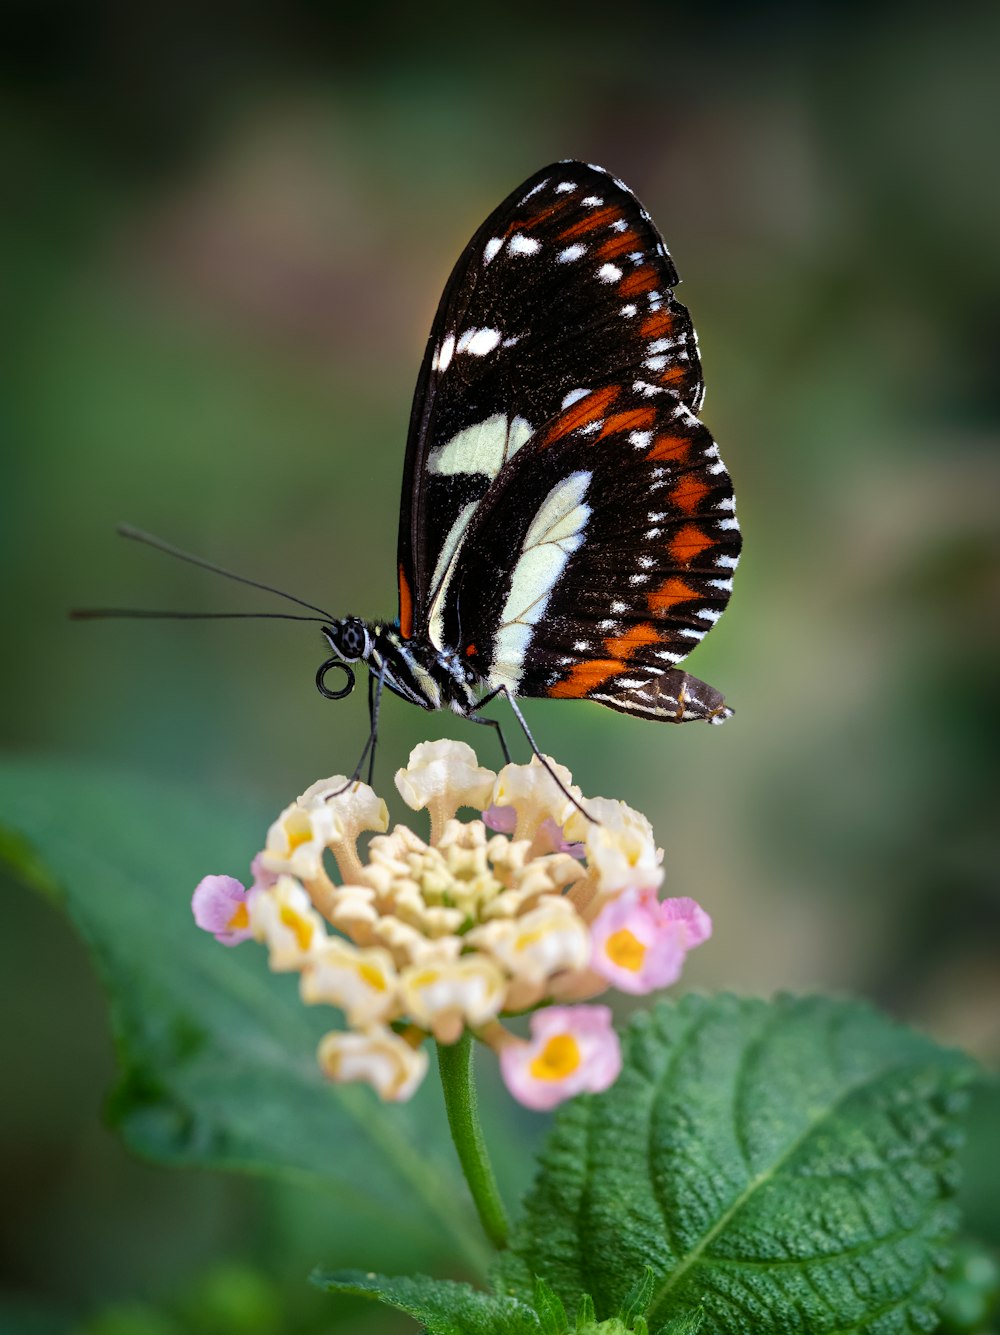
x=567 y=528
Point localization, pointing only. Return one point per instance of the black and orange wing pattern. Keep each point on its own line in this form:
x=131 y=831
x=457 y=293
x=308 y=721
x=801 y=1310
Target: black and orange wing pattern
x=567 y=528
x=602 y=556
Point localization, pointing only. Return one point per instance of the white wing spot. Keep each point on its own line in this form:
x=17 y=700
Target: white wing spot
x=554 y=534
x=728 y=524
x=726 y=585
x=564 y=187
x=591 y=428
x=483 y=341
x=482 y=448
x=571 y=253
x=574 y=396
x=609 y=273
x=591 y=201
x=636 y=256
x=708 y=614
x=640 y=439
x=660 y=345
x=619 y=226
x=628 y=310
x=619 y=607
x=655 y=363
x=523 y=245
x=719 y=467
x=445 y=352
x=581 y=645
x=492 y=248
x=654 y=532
x=727 y=503
x=728 y=562
x=638 y=579
x=607 y=625
x=690 y=633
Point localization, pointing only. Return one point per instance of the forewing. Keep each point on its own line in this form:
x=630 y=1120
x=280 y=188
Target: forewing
x=566 y=287
x=601 y=557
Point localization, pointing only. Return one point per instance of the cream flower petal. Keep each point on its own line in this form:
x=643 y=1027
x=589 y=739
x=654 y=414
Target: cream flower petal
x=284 y=918
x=446 y=995
x=356 y=809
x=363 y=983
x=534 y=795
x=443 y=776
x=550 y=938
x=378 y=1057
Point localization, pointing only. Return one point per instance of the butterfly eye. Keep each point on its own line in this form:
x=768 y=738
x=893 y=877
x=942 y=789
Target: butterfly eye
x=349 y=639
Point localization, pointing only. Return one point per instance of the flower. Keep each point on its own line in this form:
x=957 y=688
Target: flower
x=284 y=918
x=528 y=904
x=219 y=904
x=635 y=947
x=572 y=1049
x=391 y=1065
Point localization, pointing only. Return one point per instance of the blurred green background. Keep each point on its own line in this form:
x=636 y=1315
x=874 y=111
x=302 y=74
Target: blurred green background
x=225 y=230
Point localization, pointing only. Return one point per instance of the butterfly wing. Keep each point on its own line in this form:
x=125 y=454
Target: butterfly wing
x=601 y=556
x=565 y=287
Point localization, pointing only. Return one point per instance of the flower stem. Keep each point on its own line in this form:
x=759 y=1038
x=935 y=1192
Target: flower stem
x=458 y=1083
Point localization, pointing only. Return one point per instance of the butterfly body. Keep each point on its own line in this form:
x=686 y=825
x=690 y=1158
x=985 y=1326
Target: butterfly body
x=567 y=527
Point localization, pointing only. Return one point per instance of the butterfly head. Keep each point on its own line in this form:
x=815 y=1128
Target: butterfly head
x=351 y=641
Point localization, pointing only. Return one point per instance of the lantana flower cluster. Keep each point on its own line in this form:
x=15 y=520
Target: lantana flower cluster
x=532 y=907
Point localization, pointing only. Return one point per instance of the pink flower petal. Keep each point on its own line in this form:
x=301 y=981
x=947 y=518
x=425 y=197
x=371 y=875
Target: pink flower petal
x=572 y=1050
x=501 y=820
x=697 y=923
x=552 y=832
x=219 y=905
x=635 y=946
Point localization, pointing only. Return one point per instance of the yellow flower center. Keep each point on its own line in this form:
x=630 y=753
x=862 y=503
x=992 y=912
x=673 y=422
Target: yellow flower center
x=559 y=1058
x=240 y=918
x=296 y=838
x=301 y=927
x=626 y=950
x=372 y=976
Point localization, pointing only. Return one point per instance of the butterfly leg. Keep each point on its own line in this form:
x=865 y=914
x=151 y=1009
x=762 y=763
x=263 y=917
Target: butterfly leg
x=502 y=690
x=374 y=703
x=373 y=725
x=492 y=723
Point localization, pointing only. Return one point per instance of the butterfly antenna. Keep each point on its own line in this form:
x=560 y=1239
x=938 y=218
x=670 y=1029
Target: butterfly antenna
x=150 y=540
x=149 y=614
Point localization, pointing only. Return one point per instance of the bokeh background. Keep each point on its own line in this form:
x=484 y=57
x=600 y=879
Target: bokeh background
x=225 y=230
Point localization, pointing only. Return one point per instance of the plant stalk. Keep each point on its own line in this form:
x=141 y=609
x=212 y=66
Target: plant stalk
x=461 y=1103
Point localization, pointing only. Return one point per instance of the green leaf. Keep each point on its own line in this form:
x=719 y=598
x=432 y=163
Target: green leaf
x=217 y=1055
x=444 y=1308
x=783 y=1166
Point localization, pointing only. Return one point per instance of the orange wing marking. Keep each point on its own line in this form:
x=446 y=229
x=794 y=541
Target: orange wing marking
x=618 y=244
x=688 y=494
x=635 y=639
x=405 y=606
x=688 y=543
x=585 y=677
x=640 y=280
x=588 y=409
x=659 y=324
x=590 y=222
x=671 y=592
x=669 y=447
x=634 y=419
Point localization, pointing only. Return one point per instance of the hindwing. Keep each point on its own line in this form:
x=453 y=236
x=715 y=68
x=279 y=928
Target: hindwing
x=565 y=290
x=601 y=555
